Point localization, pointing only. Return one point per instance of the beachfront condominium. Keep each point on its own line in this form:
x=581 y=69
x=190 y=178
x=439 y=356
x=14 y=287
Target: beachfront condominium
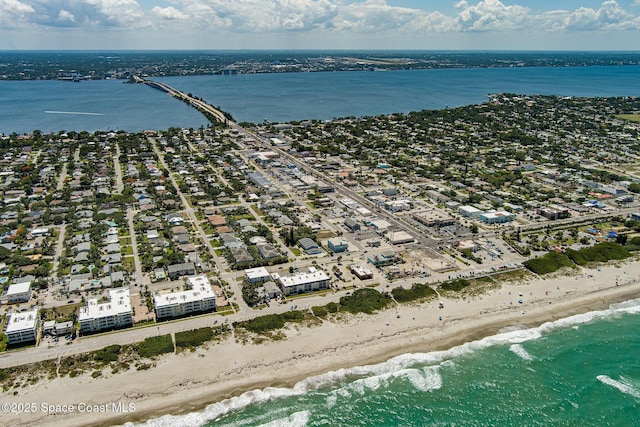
x=314 y=280
x=22 y=327
x=114 y=313
x=198 y=298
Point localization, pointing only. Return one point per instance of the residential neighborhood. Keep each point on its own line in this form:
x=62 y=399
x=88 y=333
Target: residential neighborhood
x=115 y=230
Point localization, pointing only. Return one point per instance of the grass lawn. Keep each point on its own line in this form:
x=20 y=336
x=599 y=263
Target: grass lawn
x=630 y=117
x=128 y=264
x=62 y=313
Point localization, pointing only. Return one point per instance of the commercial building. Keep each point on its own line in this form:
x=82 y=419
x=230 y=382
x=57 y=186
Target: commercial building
x=338 y=245
x=399 y=237
x=352 y=224
x=199 y=298
x=22 y=327
x=309 y=246
x=19 y=292
x=469 y=211
x=433 y=218
x=553 y=212
x=259 y=180
x=115 y=313
x=361 y=272
x=314 y=280
x=385 y=258
x=497 y=217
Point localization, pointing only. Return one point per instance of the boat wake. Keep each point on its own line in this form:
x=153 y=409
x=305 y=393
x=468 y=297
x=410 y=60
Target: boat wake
x=76 y=113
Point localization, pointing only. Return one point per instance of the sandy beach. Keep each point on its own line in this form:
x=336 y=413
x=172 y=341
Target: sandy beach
x=190 y=381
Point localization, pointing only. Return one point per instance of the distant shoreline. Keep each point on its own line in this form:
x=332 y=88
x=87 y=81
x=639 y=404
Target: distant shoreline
x=101 y=65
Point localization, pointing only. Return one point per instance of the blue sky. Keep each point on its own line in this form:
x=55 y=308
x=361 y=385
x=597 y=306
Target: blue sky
x=321 y=24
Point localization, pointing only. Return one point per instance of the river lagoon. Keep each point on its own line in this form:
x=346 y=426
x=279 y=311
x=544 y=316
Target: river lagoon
x=52 y=106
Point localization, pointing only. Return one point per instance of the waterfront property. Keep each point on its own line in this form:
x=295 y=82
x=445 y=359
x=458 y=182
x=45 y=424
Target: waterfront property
x=198 y=298
x=22 y=327
x=313 y=280
x=114 y=313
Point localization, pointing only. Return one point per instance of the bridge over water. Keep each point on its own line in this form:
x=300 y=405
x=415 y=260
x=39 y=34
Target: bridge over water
x=196 y=103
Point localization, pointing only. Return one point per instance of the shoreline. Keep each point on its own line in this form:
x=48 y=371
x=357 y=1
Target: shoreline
x=222 y=371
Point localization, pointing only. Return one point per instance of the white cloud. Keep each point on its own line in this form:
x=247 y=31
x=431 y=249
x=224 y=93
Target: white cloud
x=118 y=12
x=65 y=15
x=13 y=12
x=282 y=16
x=169 y=13
x=493 y=15
x=609 y=17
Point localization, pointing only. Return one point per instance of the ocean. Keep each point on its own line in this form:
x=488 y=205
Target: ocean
x=52 y=106
x=583 y=370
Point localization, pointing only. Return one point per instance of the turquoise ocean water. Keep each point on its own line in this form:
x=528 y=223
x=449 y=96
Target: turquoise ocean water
x=583 y=370
x=52 y=106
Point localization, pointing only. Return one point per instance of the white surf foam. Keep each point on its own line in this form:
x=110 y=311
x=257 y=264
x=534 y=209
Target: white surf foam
x=297 y=419
x=371 y=375
x=519 y=351
x=623 y=385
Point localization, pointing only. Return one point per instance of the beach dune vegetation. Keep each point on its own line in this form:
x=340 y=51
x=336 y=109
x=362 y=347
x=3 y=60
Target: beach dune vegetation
x=365 y=300
x=602 y=252
x=455 y=285
x=418 y=291
x=548 y=263
x=155 y=346
x=193 y=338
x=553 y=261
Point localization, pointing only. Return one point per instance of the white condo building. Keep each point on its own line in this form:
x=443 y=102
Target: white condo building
x=116 y=313
x=314 y=280
x=197 y=299
x=19 y=292
x=22 y=327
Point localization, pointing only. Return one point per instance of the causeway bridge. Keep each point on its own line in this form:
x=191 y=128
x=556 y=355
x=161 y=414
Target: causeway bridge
x=196 y=103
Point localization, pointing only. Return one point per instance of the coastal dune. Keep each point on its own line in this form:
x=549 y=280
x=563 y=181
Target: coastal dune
x=234 y=374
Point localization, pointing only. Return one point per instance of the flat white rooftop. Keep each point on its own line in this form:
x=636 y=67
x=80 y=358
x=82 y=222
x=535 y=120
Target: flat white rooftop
x=256 y=273
x=469 y=209
x=119 y=303
x=497 y=214
x=19 y=288
x=361 y=270
x=200 y=290
x=22 y=321
x=303 y=278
